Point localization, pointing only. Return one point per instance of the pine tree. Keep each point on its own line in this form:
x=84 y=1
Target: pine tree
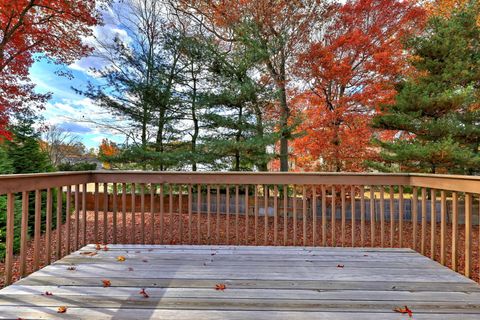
x=437 y=109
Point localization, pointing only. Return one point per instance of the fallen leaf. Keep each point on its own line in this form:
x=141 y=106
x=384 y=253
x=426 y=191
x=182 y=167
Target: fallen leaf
x=47 y=293
x=121 y=258
x=72 y=268
x=404 y=310
x=144 y=294
x=130 y=269
x=144 y=260
x=62 y=309
x=340 y=266
x=106 y=283
x=97 y=246
x=220 y=287
x=105 y=248
x=88 y=253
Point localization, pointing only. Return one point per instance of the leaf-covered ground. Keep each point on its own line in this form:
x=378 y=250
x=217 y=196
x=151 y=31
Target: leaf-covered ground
x=173 y=235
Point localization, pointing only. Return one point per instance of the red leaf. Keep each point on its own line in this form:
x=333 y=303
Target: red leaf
x=106 y=283
x=220 y=287
x=144 y=294
x=404 y=310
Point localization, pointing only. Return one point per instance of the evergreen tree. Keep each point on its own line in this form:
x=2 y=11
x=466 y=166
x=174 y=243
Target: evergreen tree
x=24 y=152
x=437 y=110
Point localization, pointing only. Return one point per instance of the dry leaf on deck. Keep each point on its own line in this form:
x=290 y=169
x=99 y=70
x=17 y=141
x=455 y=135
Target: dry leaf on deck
x=72 y=268
x=121 y=258
x=220 y=287
x=47 y=293
x=404 y=310
x=97 y=246
x=106 y=283
x=62 y=309
x=340 y=266
x=144 y=294
x=88 y=253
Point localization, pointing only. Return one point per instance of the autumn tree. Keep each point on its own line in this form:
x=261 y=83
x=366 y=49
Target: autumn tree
x=275 y=30
x=107 y=152
x=51 y=28
x=349 y=72
x=437 y=108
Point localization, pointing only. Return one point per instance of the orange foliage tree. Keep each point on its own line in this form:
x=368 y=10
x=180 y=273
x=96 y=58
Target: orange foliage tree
x=349 y=73
x=28 y=27
x=107 y=150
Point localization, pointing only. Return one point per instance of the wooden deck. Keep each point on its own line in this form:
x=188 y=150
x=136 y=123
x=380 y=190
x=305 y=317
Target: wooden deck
x=261 y=283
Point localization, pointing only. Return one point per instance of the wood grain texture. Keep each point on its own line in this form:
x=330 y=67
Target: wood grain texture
x=261 y=283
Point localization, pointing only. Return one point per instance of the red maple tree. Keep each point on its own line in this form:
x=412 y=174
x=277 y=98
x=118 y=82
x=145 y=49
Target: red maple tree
x=32 y=28
x=349 y=73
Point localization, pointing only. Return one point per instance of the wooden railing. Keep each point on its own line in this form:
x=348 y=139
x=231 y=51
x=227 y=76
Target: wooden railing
x=433 y=214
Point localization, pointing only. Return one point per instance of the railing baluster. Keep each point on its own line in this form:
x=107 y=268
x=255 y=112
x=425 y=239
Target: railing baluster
x=265 y=214
x=162 y=214
x=372 y=216
x=48 y=227
x=382 y=216
x=38 y=230
x=352 y=213
x=324 y=216
x=24 y=234
x=237 y=214
x=133 y=213
x=414 y=217
x=362 y=216
x=227 y=211
x=208 y=213
x=84 y=213
x=256 y=213
x=58 y=251
x=68 y=218
x=199 y=211
x=400 y=216
x=468 y=235
x=246 y=214
x=124 y=213
x=424 y=221
x=180 y=214
x=294 y=215
x=114 y=212
x=217 y=224
x=443 y=227
x=172 y=218
x=77 y=217
x=342 y=195
x=96 y=206
x=454 y=231
x=314 y=214
x=334 y=218
x=105 y=213
x=304 y=214
x=190 y=214
x=285 y=214
x=392 y=217
x=9 y=238
x=275 y=215
x=433 y=223
x=142 y=212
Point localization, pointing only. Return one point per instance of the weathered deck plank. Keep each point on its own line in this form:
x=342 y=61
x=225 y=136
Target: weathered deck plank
x=262 y=283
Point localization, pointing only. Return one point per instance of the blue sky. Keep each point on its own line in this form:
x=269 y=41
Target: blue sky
x=66 y=108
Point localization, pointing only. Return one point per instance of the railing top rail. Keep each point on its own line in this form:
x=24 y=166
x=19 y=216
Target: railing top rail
x=33 y=181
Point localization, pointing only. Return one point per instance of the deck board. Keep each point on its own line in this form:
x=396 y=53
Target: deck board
x=262 y=283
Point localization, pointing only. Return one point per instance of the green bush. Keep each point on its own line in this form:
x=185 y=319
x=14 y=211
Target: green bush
x=3 y=225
